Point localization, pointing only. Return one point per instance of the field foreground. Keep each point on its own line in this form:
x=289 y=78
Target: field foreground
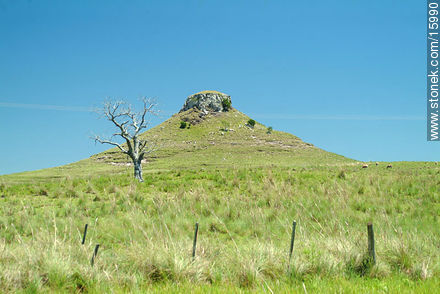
x=145 y=231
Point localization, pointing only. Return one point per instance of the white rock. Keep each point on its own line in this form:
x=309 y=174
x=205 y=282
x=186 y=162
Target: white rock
x=206 y=101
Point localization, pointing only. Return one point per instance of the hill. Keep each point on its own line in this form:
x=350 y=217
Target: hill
x=217 y=139
x=223 y=139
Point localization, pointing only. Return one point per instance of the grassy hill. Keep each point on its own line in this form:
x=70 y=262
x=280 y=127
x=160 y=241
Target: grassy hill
x=244 y=187
x=204 y=144
x=223 y=139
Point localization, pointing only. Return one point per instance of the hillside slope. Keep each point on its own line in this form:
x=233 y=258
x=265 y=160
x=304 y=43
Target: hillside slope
x=223 y=139
x=217 y=140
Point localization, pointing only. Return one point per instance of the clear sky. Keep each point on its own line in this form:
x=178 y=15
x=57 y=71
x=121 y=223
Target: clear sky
x=347 y=76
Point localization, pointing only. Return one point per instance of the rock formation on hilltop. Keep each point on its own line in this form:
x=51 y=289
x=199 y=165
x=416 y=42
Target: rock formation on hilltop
x=207 y=101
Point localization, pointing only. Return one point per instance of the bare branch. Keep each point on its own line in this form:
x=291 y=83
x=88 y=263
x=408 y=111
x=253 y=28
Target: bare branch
x=147 y=147
x=149 y=107
x=103 y=141
x=112 y=113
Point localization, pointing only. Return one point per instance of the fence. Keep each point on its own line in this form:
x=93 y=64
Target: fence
x=370 y=234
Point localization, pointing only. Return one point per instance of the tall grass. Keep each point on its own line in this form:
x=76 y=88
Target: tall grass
x=145 y=230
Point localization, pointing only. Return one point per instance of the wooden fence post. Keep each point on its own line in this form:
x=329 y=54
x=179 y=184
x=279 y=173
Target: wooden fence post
x=371 y=249
x=292 y=241
x=195 y=240
x=95 y=252
x=85 y=234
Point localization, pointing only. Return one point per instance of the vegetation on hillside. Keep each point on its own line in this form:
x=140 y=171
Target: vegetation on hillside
x=183 y=124
x=226 y=104
x=251 y=123
x=209 y=145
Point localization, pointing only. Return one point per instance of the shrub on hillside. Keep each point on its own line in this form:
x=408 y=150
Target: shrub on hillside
x=251 y=123
x=342 y=175
x=183 y=124
x=226 y=104
x=269 y=130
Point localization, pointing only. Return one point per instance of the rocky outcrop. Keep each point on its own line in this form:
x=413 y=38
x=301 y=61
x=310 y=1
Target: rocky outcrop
x=206 y=101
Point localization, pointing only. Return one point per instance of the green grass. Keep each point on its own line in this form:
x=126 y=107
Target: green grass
x=245 y=215
x=244 y=196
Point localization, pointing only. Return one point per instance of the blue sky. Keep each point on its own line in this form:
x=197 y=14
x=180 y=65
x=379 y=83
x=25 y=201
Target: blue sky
x=346 y=76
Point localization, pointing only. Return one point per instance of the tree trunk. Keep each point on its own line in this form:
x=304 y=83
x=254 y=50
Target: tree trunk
x=138 y=170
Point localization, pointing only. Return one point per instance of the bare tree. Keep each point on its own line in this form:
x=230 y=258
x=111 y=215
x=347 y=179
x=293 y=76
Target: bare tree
x=130 y=124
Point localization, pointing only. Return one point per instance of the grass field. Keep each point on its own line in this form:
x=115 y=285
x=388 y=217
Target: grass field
x=244 y=190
